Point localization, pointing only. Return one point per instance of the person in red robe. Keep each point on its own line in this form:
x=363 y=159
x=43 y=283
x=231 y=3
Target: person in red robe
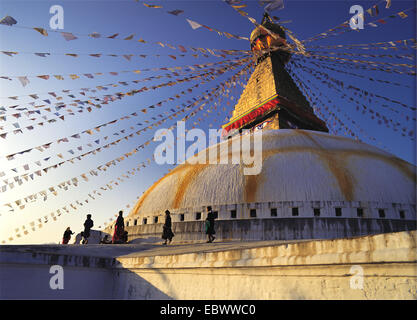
x=67 y=236
x=119 y=229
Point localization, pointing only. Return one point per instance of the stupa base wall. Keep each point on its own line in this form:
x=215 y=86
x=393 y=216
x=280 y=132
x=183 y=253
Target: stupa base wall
x=372 y=267
x=276 y=229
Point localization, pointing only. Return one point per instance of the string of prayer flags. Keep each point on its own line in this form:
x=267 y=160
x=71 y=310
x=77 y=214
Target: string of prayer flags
x=24 y=79
x=74 y=180
x=363 y=64
x=57 y=213
x=120 y=95
x=214 y=91
x=10 y=157
x=344 y=27
x=95 y=35
x=374 y=114
x=393 y=44
x=323 y=66
x=363 y=92
x=397 y=56
x=309 y=93
x=195 y=25
x=313 y=84
x=97 y=129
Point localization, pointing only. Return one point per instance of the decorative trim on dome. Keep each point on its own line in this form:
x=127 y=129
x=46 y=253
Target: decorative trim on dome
x=265 y=107
x=285 y=209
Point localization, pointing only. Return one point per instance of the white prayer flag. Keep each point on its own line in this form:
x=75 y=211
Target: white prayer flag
x=23 y=80
x=193 y=24
x=68 y=36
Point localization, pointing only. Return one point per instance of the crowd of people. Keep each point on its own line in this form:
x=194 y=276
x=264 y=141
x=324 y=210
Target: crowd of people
x=120 y=235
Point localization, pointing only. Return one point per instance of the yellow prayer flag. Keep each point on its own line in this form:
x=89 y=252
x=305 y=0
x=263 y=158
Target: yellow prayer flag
x=41 y=31
x=402 y=15
x=243 y=13
x=129 y=37
x=152 y=6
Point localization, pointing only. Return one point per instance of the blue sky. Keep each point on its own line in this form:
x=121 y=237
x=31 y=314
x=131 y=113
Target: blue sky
x=129 y=17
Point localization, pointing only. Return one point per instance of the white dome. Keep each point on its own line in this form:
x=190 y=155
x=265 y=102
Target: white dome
x=297 y=165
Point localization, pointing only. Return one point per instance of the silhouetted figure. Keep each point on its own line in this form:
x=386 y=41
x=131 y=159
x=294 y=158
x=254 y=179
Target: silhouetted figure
x=167 y=233
x=125 y=236
x=105 y=240
x=88 y=224
x=67 y=236
x=210 y=225
x=119 y=229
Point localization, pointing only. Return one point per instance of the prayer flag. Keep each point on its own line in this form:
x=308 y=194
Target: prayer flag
x=152 y=6
x=8 y=21
x=95 y=35
x=41 y=31
x=193 y=24
x=129 y=37
x=23 y=80
x=9 y=53
x=68 y=36
x=176 y=12
x=41 y=54
x=402 y=15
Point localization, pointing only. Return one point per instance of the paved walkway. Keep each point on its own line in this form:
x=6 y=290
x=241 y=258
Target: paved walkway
x=139 y=248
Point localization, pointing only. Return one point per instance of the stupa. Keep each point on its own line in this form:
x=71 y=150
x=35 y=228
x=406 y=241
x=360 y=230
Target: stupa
x=313 y=185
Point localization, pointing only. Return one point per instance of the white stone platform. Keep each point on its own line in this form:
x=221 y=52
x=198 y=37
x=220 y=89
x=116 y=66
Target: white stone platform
x=308 y=269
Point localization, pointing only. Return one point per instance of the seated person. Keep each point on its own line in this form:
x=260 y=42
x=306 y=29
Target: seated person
x=105 y=240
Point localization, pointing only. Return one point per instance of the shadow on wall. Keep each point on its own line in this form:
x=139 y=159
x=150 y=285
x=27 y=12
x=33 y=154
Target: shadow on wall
x=83 y=277
x=129 y=286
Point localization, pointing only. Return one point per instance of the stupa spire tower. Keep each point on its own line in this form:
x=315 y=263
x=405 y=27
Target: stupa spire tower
x=271 y=99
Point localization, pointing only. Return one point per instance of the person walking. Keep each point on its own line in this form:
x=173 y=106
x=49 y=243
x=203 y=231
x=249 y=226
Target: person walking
x=119 y=229
x=210 y=225
x=167 y=233
x=88 y=224
x=67 y=236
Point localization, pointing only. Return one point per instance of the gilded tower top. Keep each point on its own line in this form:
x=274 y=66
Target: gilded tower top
x=271 y=99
